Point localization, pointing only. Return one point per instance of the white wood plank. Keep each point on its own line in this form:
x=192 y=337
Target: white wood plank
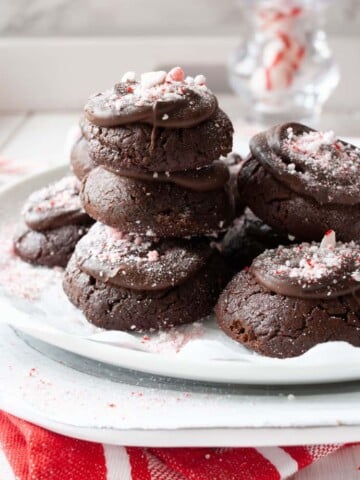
x=40 y=142
x=9 y=124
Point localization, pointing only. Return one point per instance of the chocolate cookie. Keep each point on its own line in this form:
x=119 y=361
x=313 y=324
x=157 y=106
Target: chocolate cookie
x=287 y=212
x=142 y=147
x=118 y=308
x=49 y=248
x=80 y=160
x=159 y=206
x=310 y=163
x=293 y=298
x=247 y=237
x=55 y=205
x=139 y=263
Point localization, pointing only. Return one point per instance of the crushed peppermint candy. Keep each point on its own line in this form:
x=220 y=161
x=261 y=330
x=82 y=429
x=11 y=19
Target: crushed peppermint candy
x=356 y=275
x=129 y=77
x=322 y=152
x=329 y=240
x=138 y=262
x=153 y=256
x=176 y=74
x=62 y=195
x=327 y=266
x=152 y=79
x=110 y=245
x=162 y=86
x=132 y=100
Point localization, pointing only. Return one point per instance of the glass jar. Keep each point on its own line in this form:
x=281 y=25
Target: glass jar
x=283 y=69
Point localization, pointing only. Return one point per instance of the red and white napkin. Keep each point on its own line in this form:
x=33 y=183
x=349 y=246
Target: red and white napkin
x=38 y=454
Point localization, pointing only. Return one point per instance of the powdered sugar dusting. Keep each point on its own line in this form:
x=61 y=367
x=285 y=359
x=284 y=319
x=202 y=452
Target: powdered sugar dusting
x=173 y=340
x=38 y=291
x=18 y=278
x=138 y=262
x=310 y=142
x=63 y=194
x=311 y=264
x=109 y=245
x=153 y=86
x=162 y=86
x=322 y=152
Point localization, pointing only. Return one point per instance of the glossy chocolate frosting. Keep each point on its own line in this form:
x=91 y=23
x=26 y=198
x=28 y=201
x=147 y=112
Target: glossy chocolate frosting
x=139 y=262
x=159 y=99
x=213 y=177
x=310 y=270
x=55 y=205
x=309 y=162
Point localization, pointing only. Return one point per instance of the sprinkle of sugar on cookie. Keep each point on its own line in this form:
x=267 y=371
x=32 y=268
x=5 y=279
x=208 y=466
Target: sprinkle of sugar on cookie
x=309 y=264
x=321 y=151
x=160 y=85
x=132 y=260
x=63 y=194
x=21 y=279
x=153 y=256
x=110 y=245
x=153 y=87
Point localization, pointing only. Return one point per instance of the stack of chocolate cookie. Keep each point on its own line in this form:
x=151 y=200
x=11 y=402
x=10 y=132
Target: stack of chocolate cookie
x=158 y=190
x=54 y=222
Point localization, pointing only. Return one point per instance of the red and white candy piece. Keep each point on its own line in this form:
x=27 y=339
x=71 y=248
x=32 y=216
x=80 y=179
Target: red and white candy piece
x=128 y=77
x=199 y=80
x=356 y=276
x=152 y=79
x=153 y=256
x=176 y=74
x=329 y=240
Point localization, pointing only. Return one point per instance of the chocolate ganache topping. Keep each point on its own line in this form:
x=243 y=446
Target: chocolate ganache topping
x=139 y=262
x=160 y=99
x=205 y=179
x=310 y=270
x=310 y=162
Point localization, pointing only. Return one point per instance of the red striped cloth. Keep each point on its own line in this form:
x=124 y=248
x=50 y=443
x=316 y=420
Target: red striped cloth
x=38 y=454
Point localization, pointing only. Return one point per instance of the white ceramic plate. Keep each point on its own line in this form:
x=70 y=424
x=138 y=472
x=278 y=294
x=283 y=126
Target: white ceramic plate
x=197 y=352
x=85 y=399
